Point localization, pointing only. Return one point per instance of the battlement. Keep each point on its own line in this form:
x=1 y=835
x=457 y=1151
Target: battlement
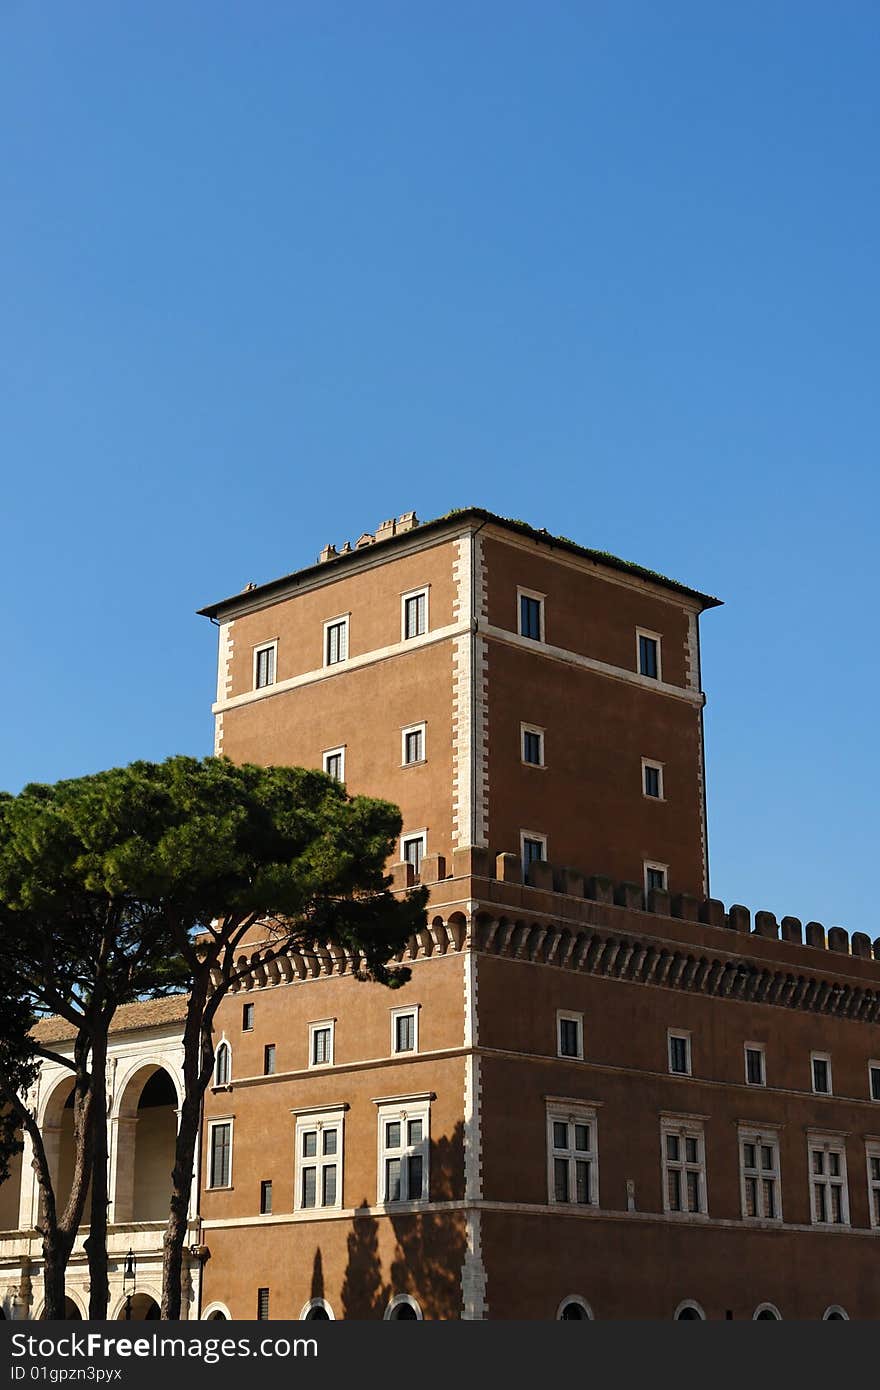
x=711 y=912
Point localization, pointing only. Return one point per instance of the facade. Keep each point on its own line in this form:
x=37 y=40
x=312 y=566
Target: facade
x=601 y=1093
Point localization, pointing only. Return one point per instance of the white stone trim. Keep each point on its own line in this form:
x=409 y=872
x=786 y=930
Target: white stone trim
x=760 y=1136
x=654 y=864
x=574 y=1298
x=424 y=591
x=396 y=1301
x=270 y=645
x=542 y=745
x=834 y=1313
x=318 y=1025
x=216 y=1307
x=420 y=727
x=685 y=1304
x=767 y=1308
x=316 y=1303
x=659 y=768
x=473 y=1274
x=341 y=620
x=327 y=1117
x=539 y=598
x=402 y=1012
x=224 y=679
x=334 y=753
x=657 y=638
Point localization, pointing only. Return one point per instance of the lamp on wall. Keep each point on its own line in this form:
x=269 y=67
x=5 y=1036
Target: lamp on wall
x=129 y=1282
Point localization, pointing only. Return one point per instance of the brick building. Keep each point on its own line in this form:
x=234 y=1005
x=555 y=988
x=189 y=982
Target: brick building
x=601 y=1093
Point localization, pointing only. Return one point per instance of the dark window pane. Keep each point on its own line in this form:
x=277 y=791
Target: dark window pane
x=532 y=851
x=247 y=1017
x=648 y=657
x=309 y=1186
x=269 y=1059
x=412 y=852
x=330 y=1141
x=678 y=1055
x=652 y=781
x=414 y=1132
x=392 y=1180
x=569 y=1038
x=328 y=1185
x=582 y=1178
x=404 y=1033
x=530 y=617
x=310 y=1143
x=265 y=1197
x=262 y=1304
x=875 y=1083
x=414 y=1177
x=560 y=1179
x=532 y=748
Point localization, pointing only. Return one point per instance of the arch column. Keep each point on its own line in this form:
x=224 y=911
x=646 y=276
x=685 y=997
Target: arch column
x=123 y=1134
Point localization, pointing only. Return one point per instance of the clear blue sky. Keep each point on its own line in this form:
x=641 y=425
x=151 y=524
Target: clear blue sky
x=273 y=272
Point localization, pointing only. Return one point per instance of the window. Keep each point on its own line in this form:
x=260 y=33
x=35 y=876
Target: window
x=821 y=1067
x=684 y=1167
x=247 y=1018
x=318 y=1178
x=413 y=744
x=759 y=1175
x=317 y=1310
x=835 y=1314
x=334 y=763
x=679 y=1053
x=532 y=745
x=756 y=1067
x=403 y=1308
x=532 y=848
x=266 y=1197
x=574 y=1309
x=655 y=876
x=828 y=1181
x=222 y=1065
x=405 y=1029
x=766 y=1312
x=689 y=1311
x=872 y=1153
x=269 y=1059
x=572 y=1168
x=413 y=848
x=335 y=641
x=321 y=1043
x=569 y=1034
x=219 y=1153
x=531 y=615
x=648 y=652
x=652 y=779
x=262 y=1305
x=404 y=1129
x=874 y=1080
x=414 y=613
x=264 y=665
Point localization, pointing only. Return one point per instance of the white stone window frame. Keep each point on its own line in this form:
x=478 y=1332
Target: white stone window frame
x=271 y=646
x=766 y=1136
x=214 y=1123
x=402 y=1012
x=319 y=1118
x=316 y=1026
x=570 y=1016
x=654 y=637
x=339 y=753
x=873 y=1066
x=532 y=729
x=654 y=864
x=343 y=619
x=395 y=1302
x=424 y=591
x=536 y=594
x=761 y=1049
x=872 y=1150
x=537 y=836
x=767 y=1308
x=581 y=1303
x=659 y=769
x=404 y=1109
x=821 y=1057
x=828 y=1143
x=225 y=1045
x=685 y=1129
x=689 y=1305
x=686 y=1037
x=316 y=1303
x=570 y=1114
x=834 y=1313
x=408 y=838
x=421 y=727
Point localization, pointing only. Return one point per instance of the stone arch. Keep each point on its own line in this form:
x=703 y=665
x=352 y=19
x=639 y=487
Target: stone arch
x=573 y=1308
x=55 y=1118
x=766 y=1312
x=223 y=1062
x=403 y=1308
x=216 y=1312
x=144 y=1131
x=317 y=1310
x=75 y=1309
x=145 y=1305
x=689 y=1311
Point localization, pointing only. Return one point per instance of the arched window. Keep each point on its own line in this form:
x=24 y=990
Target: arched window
x=317 y=1310
x=766 y=1312
x=574 y=1309
x=403 y=1308
x=835 y=1314
x=223 y=1065
x=689 y=1311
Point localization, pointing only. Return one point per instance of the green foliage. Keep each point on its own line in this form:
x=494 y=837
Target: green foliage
x=18 y=1067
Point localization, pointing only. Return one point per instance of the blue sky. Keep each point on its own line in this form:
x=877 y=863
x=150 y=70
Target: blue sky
x=271 y=273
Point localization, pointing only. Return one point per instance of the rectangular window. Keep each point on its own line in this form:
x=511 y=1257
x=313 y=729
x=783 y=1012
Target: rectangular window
x=335 y=641
x=655 y=877
x=404 y=1128
x=262 y=1305
x=759 y=1175
x=414 y=613
x=220 y=1153
x=265 y=1197
x=531 y=615
x=684 y=1167
x=569 y=1034
x=756 y=1071
x=648 y=650
x=532 y=745
x=334 y=763
x=572 y=1161
x=321 y=1043
x=319 y=1142
x=269 y=1059
x=652 y=780
x=413 y=744
x=874 y=1080
x=828 y=1182
x=405 y=1030
x=413 y=848
x=247 y=1018
x=264 y=665
x=872 y=1153
x=679 y=1053
x=820 y=1063
x=533 y=849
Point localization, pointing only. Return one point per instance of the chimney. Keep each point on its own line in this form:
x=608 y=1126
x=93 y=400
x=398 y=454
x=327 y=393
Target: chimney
x=385 y=529
x=326 y=554
x=407 y=522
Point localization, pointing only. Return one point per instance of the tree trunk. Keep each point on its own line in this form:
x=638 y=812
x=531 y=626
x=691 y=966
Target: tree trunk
x=56 y=1253
x=96 y=1245
x=195 y=1079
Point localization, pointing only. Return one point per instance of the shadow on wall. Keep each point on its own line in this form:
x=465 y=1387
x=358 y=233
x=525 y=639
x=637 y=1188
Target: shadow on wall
x=429 y=1253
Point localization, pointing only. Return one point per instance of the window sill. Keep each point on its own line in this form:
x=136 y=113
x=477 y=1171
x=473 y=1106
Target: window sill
x=539 y=767
x=416 y=762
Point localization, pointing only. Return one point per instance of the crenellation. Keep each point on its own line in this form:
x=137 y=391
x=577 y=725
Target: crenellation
x=766 y=926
